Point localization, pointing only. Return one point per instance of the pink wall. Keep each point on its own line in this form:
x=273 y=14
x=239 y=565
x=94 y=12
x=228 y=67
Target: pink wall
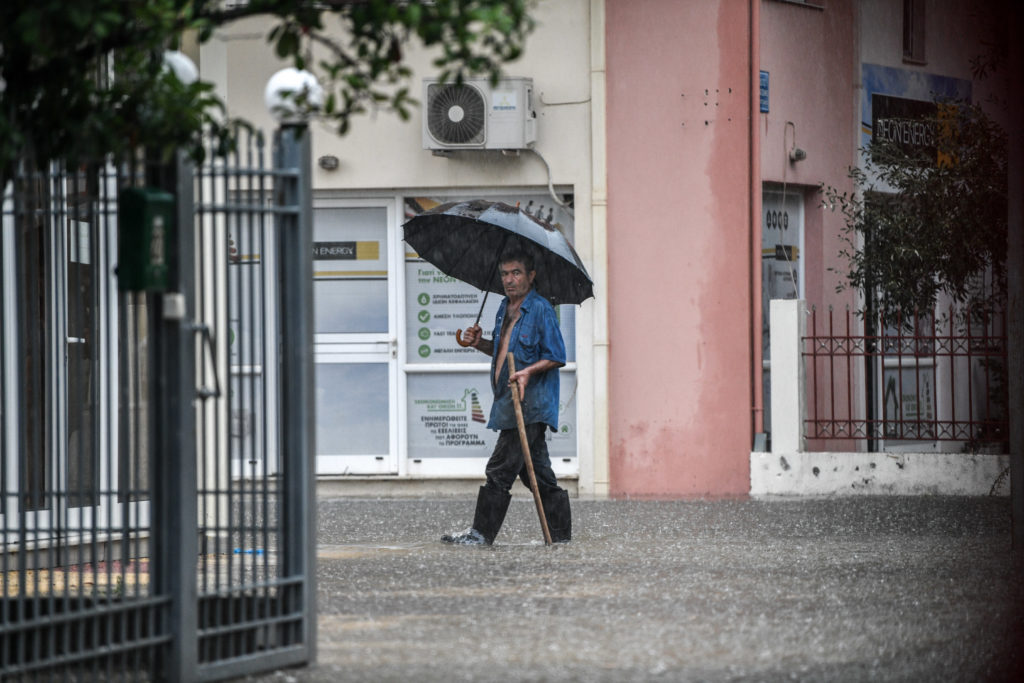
x=678 y=242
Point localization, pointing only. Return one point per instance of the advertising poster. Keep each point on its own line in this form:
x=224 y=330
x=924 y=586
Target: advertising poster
x=448 y=417
x=436 y=307
x=909 y=400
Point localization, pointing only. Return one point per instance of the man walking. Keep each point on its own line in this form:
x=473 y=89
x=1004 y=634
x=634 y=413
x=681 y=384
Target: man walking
x=525 y=326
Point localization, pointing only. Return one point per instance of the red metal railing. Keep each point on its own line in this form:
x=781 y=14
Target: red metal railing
x=918 y=380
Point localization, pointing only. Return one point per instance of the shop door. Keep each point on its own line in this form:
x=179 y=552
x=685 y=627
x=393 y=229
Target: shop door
x=356 y=342
x=782 y=237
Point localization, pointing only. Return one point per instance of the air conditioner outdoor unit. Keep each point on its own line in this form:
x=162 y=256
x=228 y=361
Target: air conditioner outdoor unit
x=476 y=115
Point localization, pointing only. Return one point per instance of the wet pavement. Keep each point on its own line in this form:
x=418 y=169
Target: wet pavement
x=845 y=589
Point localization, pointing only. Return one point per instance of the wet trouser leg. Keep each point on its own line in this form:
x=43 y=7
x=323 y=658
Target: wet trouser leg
x=557 y=513
x=507 y=463
x=491 y=506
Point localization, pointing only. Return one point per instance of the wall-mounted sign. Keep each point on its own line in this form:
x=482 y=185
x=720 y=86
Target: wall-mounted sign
x=909 y=124
x=903 y=98
x=345 y=251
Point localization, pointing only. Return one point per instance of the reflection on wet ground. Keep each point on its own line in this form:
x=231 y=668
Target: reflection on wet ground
x=822 y=589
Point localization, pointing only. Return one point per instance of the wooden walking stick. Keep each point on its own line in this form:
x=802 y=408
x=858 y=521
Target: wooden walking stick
x=526 y=452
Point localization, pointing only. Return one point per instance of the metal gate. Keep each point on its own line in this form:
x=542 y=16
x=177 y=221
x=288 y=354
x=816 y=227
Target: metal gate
x=156 y=490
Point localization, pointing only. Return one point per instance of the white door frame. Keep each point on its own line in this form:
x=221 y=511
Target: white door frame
x=379 y=347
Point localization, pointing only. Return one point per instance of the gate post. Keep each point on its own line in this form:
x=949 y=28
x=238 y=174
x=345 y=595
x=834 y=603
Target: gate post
x=294 y=234
x=788 y=320
x=173 y=471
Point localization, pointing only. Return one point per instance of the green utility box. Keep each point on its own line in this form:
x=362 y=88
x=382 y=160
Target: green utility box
x=145 y=230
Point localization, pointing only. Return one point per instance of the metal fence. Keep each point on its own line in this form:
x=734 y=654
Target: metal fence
x=156 y=492
x=927 y=379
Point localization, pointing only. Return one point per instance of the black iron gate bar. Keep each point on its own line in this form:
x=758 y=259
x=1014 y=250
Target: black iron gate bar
x=107 y=595
x=235 y=535
x=253 y=597
x=828 y=349
x=75 y=589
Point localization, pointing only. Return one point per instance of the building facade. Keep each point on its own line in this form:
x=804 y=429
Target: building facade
x=682 y=147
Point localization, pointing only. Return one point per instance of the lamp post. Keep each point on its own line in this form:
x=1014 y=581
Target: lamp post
x=182 y=66
x=292 y=96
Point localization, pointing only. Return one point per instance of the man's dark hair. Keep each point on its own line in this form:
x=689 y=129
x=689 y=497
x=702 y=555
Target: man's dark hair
x=517 y=255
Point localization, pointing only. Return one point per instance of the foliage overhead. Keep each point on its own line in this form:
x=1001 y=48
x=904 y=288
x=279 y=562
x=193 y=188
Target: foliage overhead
x=931 y=219
x=84 y=78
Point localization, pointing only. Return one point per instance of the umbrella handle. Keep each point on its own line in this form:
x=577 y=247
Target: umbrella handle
x=458 y=333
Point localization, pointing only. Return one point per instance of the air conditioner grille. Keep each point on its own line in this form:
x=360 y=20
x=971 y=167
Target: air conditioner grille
x=456 y=114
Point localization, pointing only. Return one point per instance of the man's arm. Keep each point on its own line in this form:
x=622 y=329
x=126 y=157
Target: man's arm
x=522 y=375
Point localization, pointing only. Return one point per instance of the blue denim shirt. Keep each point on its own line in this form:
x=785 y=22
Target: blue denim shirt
x=535 y=337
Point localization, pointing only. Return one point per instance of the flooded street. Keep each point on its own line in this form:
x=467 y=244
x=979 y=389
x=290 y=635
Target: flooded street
x=822 y=589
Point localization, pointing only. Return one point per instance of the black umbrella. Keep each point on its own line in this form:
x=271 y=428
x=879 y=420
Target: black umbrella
x=466 y=240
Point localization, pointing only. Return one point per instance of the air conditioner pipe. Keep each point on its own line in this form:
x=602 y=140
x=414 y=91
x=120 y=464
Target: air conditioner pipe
x=551 y=187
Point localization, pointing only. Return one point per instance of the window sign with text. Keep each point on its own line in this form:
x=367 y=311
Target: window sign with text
x=436 y=306
x=448 y=415
x=447 y=412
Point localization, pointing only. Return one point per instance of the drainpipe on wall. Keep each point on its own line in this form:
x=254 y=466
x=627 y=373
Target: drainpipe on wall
x=754 y=238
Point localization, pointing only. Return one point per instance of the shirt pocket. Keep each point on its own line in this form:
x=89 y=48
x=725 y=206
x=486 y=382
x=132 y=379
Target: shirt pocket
x=528 y=351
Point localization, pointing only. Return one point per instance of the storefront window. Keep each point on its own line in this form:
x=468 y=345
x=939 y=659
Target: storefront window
x=448 y=409
x=350 y=270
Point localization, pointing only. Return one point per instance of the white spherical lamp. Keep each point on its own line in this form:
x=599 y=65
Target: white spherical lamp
x=183 y=68
x=292 y=95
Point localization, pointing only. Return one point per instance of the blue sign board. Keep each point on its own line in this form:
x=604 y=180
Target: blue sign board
x=764 y=92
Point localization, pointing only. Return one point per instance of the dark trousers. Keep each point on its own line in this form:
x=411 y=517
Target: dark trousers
x=507 y=461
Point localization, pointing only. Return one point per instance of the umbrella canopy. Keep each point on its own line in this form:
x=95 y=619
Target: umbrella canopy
x=466 y=240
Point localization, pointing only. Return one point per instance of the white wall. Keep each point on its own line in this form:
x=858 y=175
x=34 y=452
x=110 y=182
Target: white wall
x=901 y=474
x=382 y=155
x=382 y=151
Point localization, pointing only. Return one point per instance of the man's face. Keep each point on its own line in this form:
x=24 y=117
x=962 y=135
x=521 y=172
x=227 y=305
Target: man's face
x=515 y=279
